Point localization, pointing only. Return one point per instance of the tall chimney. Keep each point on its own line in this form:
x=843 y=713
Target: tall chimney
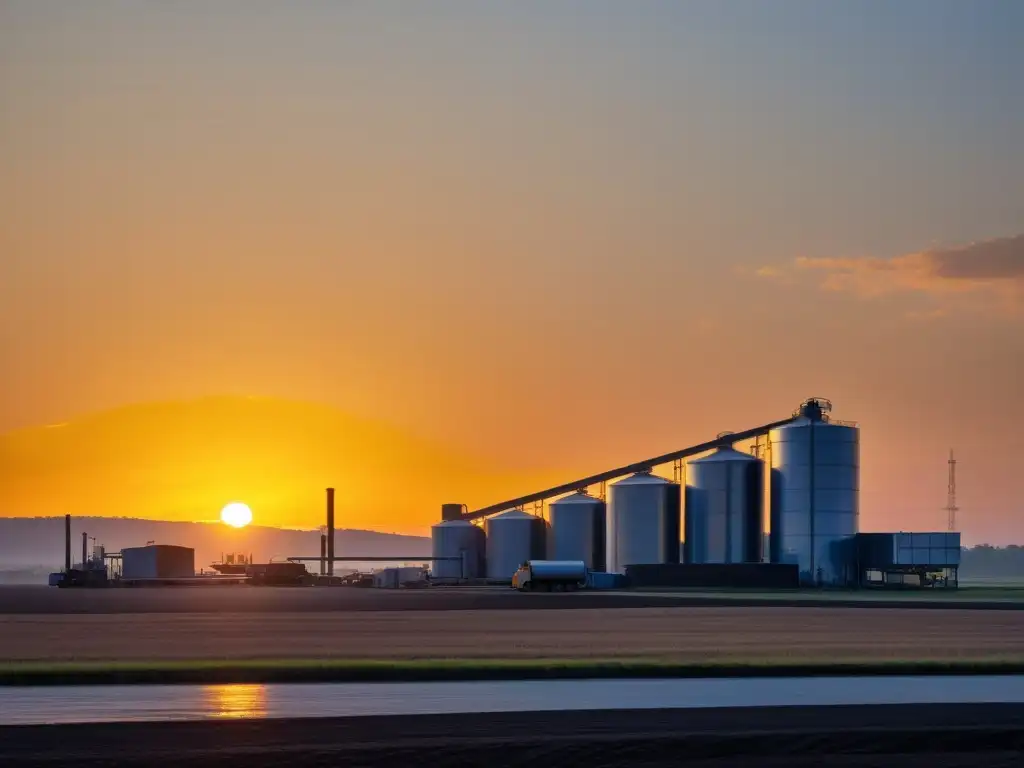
x=323 y=553
x=67 y=543
x=85 y=544
x=330 y=531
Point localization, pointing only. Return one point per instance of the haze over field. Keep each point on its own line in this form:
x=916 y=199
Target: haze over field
x=460 y=250
x=38 y=543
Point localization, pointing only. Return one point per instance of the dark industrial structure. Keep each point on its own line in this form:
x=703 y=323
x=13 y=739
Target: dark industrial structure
x=907 y=559
x=330 y=532
x=736 y=575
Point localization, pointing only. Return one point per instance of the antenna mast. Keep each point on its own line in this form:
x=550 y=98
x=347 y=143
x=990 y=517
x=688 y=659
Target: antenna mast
x=951 y=507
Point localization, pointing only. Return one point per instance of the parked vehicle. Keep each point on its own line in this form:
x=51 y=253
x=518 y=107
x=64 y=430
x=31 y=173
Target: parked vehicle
x=550 y=576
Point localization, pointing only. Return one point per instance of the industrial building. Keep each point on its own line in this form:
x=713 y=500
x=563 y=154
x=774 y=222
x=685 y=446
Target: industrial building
x=907 y=559
x=803 y=476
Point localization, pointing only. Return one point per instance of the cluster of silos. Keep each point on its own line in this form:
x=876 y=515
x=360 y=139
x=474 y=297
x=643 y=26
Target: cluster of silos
x=815 y=489
x=814 y=512
x=462 y=550
x=724 y=508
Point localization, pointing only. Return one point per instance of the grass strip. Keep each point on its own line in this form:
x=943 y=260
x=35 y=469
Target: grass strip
x=439 y=670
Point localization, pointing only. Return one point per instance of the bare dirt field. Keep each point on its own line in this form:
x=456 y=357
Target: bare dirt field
x=687 y=634
x=246 y=599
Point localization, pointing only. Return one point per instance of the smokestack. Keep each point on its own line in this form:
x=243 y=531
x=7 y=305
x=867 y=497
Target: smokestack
x=85 y=544
x=330 y=531
x=323 y=553
x=67 y=543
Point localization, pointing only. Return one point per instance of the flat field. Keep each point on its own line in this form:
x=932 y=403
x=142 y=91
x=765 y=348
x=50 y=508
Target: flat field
x=226 y=624
x=245 y=599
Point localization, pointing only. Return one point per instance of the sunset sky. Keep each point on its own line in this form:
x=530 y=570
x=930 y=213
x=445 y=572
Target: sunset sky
x=551 y=237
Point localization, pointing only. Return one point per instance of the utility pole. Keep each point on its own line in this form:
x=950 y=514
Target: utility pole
x=951 y=507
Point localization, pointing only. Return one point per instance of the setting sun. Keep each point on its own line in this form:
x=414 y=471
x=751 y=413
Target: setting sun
x=236 y=514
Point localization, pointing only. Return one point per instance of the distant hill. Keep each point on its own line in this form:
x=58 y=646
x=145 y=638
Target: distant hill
x=35 y=546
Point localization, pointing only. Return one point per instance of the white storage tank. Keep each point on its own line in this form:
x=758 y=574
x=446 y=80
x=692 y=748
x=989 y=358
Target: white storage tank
x=513 y=537
x=578 y=530
x=724 y=517
x=461 y=539
x=643 y=522
x=815 y=492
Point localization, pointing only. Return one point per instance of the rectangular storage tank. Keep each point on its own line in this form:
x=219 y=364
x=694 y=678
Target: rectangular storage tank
x=158 y=561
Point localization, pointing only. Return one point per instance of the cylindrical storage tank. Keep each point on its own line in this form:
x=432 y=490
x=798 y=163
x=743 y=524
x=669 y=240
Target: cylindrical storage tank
x=643 y=522
x=513 y=537
x=724 y=517
x=460 y=539
x=815 y=496
x=578 y=530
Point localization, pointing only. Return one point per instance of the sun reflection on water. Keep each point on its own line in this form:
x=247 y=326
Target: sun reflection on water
x=236 y=701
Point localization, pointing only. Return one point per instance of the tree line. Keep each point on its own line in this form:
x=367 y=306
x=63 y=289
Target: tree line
x=986 y=561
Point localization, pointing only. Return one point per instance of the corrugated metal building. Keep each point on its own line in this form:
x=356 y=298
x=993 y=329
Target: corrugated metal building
x=158 y=561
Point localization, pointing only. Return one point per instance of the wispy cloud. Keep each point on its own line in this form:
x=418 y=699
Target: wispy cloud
x=990 y=269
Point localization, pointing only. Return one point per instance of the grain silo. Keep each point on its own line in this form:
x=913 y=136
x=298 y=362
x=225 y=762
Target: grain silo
x=815 y=487
x=643 y=522
x=513 y=537
x=724 y=517
x=578 y=530
x=460 y=539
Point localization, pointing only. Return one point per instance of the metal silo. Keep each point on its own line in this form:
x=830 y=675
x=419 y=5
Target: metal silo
x=643 y=522
x=724 y=517
x=577 y=530
x=457 y=538
x=815 y=494
x=513 y=537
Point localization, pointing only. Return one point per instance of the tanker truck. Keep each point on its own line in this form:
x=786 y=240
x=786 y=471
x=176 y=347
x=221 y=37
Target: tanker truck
x=550 y=576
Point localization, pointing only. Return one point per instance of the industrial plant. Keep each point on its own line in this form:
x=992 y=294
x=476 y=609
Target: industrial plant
x=704 y=527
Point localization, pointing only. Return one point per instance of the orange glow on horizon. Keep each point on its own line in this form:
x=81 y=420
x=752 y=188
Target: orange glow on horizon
x=176 y=460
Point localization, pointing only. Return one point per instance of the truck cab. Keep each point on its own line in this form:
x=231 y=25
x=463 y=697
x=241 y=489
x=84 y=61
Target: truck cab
x=521 y=576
